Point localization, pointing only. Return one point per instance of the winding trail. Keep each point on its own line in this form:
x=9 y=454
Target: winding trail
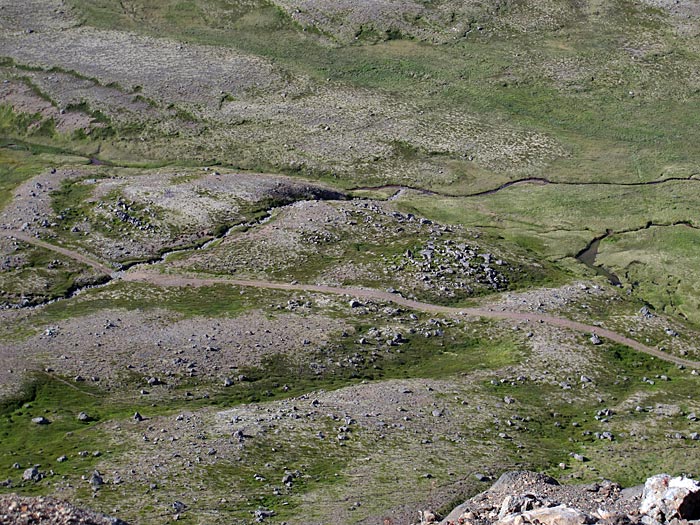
x=76 y=256
x=166 y=280
x=139 y=275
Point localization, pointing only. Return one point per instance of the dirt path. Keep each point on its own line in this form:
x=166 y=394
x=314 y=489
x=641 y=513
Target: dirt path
x=368 y=293
x=58 y=249
x=141 y=275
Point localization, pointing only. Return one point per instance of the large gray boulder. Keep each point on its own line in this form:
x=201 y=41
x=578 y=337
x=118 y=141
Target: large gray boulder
x=32 y=474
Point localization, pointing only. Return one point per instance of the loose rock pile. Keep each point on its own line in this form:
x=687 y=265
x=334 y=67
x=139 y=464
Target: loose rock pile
x=521 y=498
x=19 y=510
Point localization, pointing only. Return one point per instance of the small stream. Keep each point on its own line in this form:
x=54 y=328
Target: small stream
x=588 y=256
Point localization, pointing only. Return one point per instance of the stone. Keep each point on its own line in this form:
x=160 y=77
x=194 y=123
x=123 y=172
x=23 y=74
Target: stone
x=138 y=417
x=287 y=479
x=96 y=480
x=32 y=474
x=559 y=515
x=665 y=498
x=261 y=514
x=605 y=435
x=41 y=420
x=517 y=477
x=516 y=504
x=645 y=312
x=594 y=339
x=83 y=417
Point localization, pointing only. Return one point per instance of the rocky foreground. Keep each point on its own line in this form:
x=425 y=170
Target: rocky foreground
x=520 y=498
x=517 y=498
x=19 y=510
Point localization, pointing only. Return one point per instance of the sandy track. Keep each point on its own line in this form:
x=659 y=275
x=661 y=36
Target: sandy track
x=158 y=279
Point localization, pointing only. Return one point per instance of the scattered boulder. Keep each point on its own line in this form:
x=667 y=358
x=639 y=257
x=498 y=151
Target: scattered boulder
x=96 y=480
x=32 y=474
x=262 y=514
x=41 y=420
x=510 y=479
x=645 y=312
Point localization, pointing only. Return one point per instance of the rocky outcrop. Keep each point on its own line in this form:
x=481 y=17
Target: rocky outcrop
x=666 y=498
x=528 y=498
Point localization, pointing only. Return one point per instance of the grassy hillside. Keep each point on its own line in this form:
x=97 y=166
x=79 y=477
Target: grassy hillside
x=459 y=153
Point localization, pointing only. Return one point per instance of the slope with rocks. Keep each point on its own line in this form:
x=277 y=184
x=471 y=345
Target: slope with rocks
x=522 y=497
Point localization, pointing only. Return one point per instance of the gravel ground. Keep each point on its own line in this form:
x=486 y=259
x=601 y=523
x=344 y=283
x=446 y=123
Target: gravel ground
x=202 y=74
x=22 y=510
x=116 y=343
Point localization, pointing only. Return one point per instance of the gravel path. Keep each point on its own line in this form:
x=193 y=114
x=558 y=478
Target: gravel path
x=140 y=275
x=366 y=293
x=77 y=256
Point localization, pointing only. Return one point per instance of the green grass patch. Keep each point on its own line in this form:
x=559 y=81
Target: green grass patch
x=15 y=168
x=219 y=300
x=660 y=265
x=26 y=443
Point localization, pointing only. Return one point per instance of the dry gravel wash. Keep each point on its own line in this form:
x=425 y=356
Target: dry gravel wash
x=140 y=275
